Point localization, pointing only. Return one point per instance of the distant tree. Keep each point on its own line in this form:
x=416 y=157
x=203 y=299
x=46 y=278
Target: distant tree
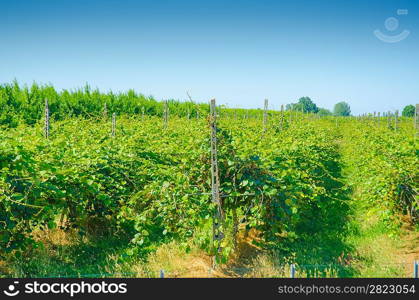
x=307 y=105
x=304 y=104
x=290 y=106
x=324 y=112
x=342 y=109
x=408 y=111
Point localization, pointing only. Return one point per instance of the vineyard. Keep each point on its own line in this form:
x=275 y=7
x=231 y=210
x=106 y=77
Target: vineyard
x=127 y=175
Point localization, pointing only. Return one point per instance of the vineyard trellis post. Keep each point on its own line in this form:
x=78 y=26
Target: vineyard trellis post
x=113 y=125
x=105 y=111
x=396 y=115
x=282 y=116
x=46 y=125
x=265 y=114
x=416 y=120
x=292 y=270
x=165 y=114
x=215 y=184
x=388 y=119
x=378 y=119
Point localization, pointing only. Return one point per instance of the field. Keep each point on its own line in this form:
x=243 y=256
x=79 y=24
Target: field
x=333 y=196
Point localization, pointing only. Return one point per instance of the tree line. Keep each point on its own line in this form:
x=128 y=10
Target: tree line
x=25 y=104
x=305 y=104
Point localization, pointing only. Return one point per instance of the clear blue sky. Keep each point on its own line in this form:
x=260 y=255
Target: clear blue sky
x=239 y=52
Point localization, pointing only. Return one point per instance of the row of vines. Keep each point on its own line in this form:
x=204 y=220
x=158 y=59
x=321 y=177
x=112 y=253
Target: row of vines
x=25 y=104
x=153 y=184
x=384 y=164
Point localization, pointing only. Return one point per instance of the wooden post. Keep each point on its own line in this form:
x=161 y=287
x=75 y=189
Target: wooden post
x=105 y=111
x=113 y=125
x=282 y=116
x=165 y=114
x=416 y=119
x=265 y=115
x=46 y=125
x=396 y=115
x=388 y=119
x=378 y=119
x=215 y=184
x=292 y=270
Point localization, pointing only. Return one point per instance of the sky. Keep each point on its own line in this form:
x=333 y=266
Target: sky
x=238 y=52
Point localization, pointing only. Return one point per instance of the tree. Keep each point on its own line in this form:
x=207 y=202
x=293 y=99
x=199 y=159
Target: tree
x=342 y=109
x=307 y=105
x=408 y=111
x=304 y=104
x=324 y=112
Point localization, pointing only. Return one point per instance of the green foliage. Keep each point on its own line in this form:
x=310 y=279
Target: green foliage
x=385 y=170
x=408 y=111
x=26 y=104
x=342 y=109
x=304 y=104
x=324 y=112
x=152 y=185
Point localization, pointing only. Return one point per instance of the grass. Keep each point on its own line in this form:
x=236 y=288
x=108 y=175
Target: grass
x=375 y=253
x=66 y=254
x=383 y=252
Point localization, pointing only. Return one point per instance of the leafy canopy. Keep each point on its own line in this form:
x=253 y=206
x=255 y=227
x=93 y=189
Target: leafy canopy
x=324 y=112
x=304 y=104
x=342 y=109
x=408 y=111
